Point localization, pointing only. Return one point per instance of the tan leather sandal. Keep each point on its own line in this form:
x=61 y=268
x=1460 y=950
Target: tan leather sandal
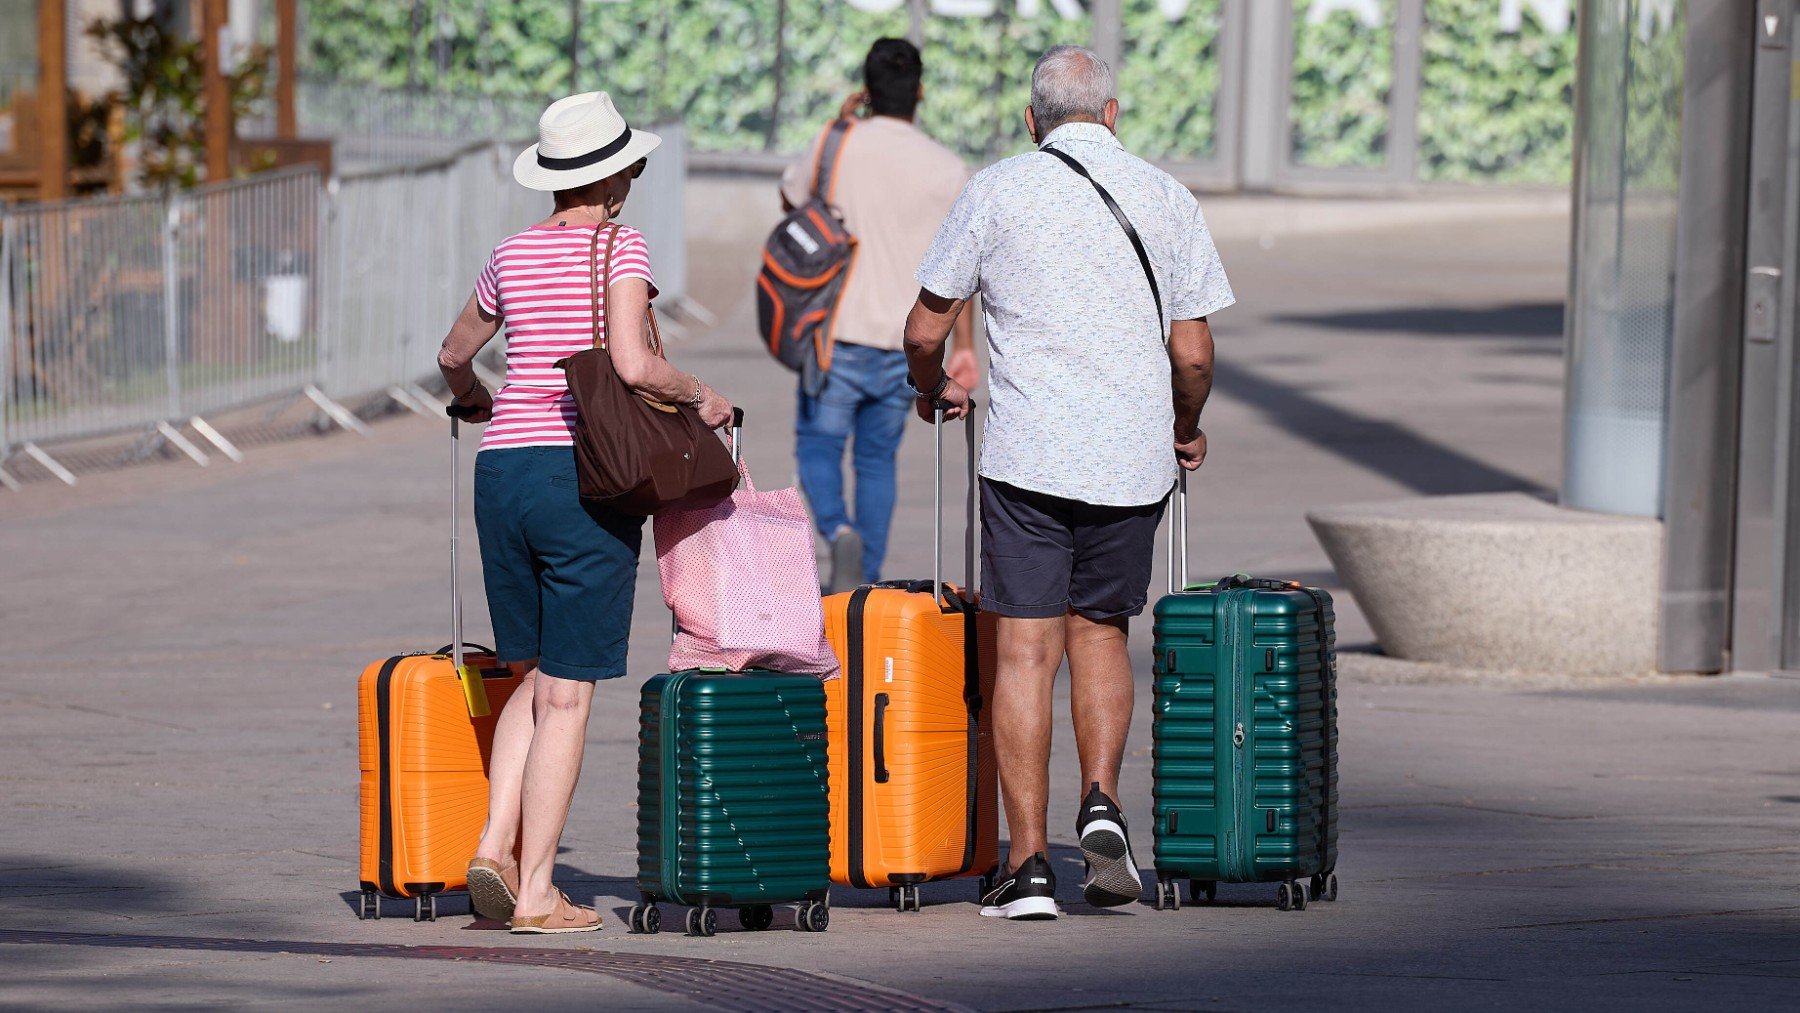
x=567 y=917
x=493 y=888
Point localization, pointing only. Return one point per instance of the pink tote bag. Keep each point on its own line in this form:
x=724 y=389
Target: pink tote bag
x=743 y=583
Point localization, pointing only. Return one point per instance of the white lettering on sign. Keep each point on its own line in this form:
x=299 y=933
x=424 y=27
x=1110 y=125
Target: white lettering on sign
x=1367 y=11
x=1554 y=15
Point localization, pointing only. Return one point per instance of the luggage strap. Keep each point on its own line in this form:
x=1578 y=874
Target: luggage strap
x=1131 y=233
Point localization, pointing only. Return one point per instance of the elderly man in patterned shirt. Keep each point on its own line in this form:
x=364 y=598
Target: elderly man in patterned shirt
x=1096 y=292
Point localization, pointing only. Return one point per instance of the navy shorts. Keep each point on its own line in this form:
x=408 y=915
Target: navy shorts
x=560 y=574
x=1043 y=556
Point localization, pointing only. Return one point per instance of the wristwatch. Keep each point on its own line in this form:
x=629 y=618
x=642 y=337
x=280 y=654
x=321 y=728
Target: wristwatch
x=936 y=392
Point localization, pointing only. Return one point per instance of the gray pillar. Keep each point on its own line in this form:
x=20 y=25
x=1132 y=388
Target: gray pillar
x=915 y=28
x=1762 y=536
x=1107 y=31
x=1705 y=359
x=1262 y=148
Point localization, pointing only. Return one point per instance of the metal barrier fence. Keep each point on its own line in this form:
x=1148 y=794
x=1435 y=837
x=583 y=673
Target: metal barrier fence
x=127 y=314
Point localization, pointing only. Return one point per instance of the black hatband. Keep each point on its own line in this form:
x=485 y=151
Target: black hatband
x=592 y=157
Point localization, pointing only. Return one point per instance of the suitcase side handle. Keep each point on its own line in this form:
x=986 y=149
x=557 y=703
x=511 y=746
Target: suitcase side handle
x=881 y=706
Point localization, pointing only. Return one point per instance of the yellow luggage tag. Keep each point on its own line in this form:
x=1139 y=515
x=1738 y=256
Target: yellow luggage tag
x=474 y=691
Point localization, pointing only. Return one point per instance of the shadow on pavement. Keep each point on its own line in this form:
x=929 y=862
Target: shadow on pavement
x=1418 y=462
x=1517 y=320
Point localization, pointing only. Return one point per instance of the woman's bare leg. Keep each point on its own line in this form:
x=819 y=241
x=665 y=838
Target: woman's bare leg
x=506 y=767
x=551 y=770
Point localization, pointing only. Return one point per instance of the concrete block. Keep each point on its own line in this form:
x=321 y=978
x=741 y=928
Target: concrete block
x=1501 y=581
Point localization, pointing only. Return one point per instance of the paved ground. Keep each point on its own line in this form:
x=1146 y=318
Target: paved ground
x=178 y=742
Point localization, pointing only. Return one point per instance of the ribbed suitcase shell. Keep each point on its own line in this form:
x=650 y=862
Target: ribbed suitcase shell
x=424 y=770
x=909 y=802
x=1262 y=809
x=732 y=801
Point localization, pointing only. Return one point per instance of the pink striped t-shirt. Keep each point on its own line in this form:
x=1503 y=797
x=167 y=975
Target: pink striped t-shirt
x=538 y=282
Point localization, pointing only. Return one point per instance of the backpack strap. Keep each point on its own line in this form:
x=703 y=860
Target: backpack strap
x=831 y=149
x=1124 y=223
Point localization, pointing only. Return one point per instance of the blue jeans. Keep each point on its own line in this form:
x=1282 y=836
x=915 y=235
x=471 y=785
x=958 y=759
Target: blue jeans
x=865 y=394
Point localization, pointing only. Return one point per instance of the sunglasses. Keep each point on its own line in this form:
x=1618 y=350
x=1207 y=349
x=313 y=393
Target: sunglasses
x=637 y=167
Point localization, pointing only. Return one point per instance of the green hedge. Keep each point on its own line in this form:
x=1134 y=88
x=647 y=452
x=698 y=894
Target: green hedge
x=1343 y=74
x=1169 y=80
x=1492 y=106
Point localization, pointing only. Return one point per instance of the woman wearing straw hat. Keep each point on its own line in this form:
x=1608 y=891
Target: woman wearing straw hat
x=559 y=572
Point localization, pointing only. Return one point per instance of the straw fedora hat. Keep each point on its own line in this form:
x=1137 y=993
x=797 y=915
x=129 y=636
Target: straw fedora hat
x=581 y=139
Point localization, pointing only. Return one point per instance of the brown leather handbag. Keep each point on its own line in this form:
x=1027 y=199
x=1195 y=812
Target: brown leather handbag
x=633 y=454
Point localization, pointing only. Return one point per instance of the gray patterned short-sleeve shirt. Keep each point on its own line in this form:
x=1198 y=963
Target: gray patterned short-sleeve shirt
x=1080 y=386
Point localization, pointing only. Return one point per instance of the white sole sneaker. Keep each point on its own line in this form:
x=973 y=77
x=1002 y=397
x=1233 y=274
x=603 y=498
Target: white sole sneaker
x=1112 y=875
x=1023 y=909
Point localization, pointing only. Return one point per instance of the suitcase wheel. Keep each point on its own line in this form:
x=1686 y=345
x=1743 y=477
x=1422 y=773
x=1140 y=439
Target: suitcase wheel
x=986 y=886
x=644 y=918
x=906 y=898
x=1202 y=890
x=369 y=905
x=1168 y=895
x=702 y=921
x=813 y=916
x=425 y=908
x=757 y=917
x=1324 y=887
x=1290 y=896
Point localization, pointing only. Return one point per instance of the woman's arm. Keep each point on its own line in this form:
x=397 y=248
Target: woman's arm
x=474 y=328
x=628 y=313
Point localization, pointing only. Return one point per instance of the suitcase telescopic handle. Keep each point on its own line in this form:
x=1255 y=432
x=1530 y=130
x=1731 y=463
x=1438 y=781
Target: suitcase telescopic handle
x=737 y=458
x=1178 y=536
x=474 y=690
x=937 y=501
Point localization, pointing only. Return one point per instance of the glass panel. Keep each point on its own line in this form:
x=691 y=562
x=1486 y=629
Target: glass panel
x=962 y=86
x=1343 y=74
x=1497 y=100
x=719 y=75
x=1025 y=37
x=826 y=42
x=1169 y=78
x=1624 y=283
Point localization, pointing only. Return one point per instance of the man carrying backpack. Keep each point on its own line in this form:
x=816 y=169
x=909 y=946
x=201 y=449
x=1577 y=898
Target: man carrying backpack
x=892 y=186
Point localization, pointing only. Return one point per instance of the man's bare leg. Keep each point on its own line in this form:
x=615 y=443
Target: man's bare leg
x=1101 y=696
x=1030 y=652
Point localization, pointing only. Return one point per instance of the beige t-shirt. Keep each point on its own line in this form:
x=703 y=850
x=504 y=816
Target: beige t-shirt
x=894 y=187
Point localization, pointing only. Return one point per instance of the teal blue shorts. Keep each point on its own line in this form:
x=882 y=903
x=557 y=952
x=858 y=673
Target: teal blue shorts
x=560 y=573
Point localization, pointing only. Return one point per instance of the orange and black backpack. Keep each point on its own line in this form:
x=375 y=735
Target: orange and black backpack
x=805 y=263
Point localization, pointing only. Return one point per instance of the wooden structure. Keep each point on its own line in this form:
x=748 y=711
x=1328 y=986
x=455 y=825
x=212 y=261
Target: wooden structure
x=40 y=165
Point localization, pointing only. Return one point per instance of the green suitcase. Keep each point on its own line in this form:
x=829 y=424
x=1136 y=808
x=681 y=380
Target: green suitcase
x=1244 y=733
x=733 y=808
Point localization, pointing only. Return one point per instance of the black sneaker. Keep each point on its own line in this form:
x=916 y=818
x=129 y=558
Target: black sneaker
x=1112 y=873
x=1028 y=893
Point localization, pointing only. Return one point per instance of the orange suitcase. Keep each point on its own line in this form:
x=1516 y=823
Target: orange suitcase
x=425 y=732
x=914 y=796
x=424 y=774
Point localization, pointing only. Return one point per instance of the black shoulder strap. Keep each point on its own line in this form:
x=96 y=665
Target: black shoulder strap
x=1124 y=223
x=831 y=146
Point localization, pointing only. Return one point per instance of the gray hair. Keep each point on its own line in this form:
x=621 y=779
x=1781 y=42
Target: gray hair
x=1069 y=82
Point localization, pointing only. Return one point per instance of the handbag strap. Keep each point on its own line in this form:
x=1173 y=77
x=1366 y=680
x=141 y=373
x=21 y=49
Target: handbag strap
x=601 y=283
x=1124 y=223
x=601 y=280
